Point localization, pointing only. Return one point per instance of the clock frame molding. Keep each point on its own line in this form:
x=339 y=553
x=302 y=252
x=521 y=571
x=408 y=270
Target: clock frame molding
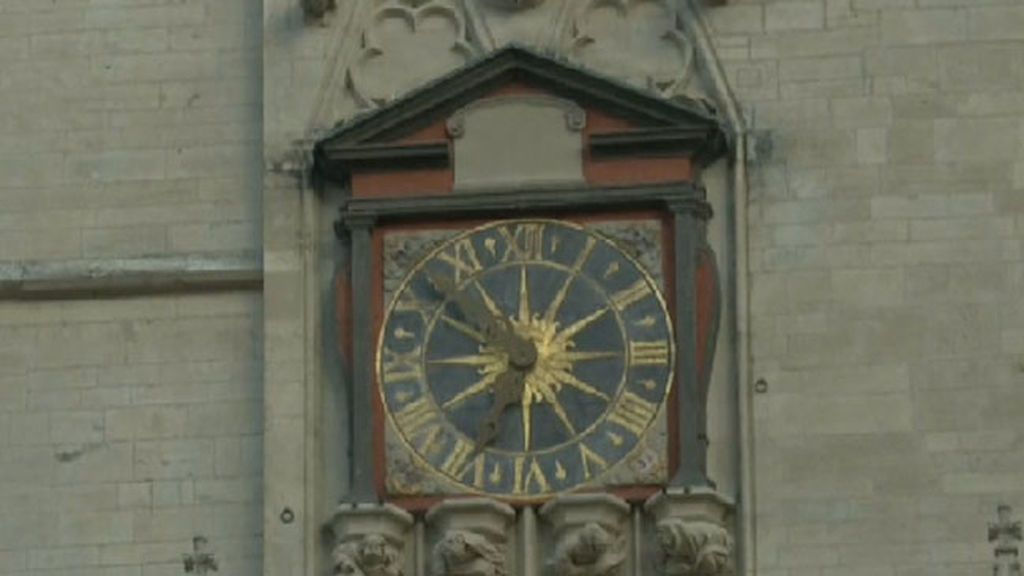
x=638 y=155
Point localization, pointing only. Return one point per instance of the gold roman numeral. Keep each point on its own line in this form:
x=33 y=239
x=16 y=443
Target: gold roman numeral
x=534 y=477
x=524 y=242
x=632 y=413
x=458 y=459
x=461 y=256
x=629 y=296
x=401 y=366
x=409 y=302
x=649 y=353
x=589 y=457
x=416 y=417
x=461 y=461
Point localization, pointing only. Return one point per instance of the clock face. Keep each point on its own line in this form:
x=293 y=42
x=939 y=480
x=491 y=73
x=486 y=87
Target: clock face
x=524 y=358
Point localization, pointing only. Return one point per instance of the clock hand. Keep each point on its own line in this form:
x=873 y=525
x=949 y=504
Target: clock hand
x=508 y=389
x=498 y=332
x=496 y=329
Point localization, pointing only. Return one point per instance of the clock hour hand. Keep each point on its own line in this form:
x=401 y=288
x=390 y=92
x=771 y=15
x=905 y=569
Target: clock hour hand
x=508 y=389
x=496 y=329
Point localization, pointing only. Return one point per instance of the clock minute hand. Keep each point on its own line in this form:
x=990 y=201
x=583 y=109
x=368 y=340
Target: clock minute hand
x=508 y=389
x=495 y=329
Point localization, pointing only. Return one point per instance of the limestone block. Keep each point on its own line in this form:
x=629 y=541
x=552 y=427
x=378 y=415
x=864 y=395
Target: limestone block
x=737 y=19
x=94 y=528
x=84 y=463
x=173 y=459
x=145 y=422
x=923 y=26
x=795 y=15
x=979 y=68
x=990 y=23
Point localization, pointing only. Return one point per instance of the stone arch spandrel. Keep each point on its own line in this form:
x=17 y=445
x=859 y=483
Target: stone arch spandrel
x=388 y=47
x=383 y=49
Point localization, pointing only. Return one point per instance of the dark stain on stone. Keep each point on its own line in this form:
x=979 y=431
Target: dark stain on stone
x=68 y=455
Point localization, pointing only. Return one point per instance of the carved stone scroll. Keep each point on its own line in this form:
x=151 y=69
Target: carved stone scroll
x=472 y=537
x=370 y=540
x=589 y=531
x=693 y=533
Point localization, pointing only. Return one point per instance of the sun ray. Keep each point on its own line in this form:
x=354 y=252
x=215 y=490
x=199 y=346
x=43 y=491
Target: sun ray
x=556 y=302
x=464 y=328
x=492 y=307
x=527 y=403
x=481 y=386
x=566 y=378
x=577 y=326
x=470 y=360
x=552 y=398
x=524 y=296
x=576 y=356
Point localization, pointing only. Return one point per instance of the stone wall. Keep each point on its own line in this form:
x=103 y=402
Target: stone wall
x=127 y=427
x=886 y=247
x=129 y=138
x=886 y=236
x=128 y=128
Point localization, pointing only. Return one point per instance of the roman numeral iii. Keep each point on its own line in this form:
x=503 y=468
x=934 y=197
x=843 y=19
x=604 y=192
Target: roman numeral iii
x=632 y=413
x=649 y=353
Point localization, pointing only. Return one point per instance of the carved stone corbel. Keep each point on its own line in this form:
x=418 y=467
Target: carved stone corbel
x=693 y=532
x=370 y=540
x=589 y=532
x=473 y=535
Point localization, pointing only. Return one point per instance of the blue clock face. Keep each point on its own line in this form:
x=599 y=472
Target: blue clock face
x=524 y=358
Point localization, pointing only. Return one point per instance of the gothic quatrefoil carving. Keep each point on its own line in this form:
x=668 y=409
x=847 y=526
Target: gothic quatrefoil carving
x=405 y=44
x=638 y=40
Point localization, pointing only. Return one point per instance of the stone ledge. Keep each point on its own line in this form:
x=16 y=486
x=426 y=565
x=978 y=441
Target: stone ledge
x=106 y=278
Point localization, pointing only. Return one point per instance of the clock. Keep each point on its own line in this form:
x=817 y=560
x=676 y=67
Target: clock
x=520 y=359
